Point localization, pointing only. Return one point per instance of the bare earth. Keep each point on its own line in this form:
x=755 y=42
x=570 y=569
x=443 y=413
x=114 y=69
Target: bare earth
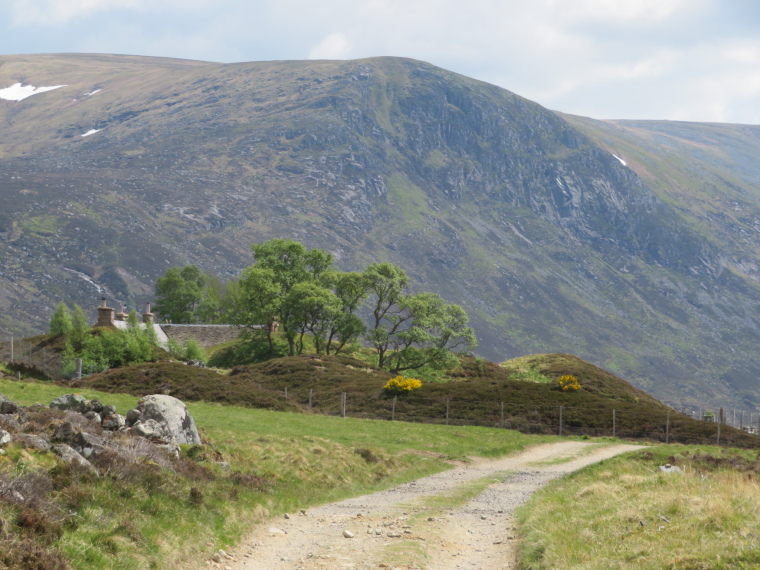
x=404 y=528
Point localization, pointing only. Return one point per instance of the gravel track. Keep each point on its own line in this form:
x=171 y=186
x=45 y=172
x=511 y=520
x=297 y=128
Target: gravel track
x=398 y=528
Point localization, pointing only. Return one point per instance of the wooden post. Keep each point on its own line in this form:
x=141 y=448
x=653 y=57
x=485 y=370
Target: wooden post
x=11 y=350
x=502 y=415
x=310 y=393
x=286 y=392
x=614 y=423
x=718 y=433
x=43 y=360
x=733 y=423
x=343 y=404
x=741 y=420
x=18 y=375
x=447 y=411
x=560 y=420
x=667 y=428
x=721 y=417
x=79 y=368
x=31 y=362
x=393 y=410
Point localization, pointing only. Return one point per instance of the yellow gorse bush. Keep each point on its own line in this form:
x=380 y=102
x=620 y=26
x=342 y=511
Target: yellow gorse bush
x=402 y=385
x=569 y=383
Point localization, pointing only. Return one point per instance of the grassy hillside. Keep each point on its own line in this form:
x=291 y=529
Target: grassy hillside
x=146 y=516
x=473 y=394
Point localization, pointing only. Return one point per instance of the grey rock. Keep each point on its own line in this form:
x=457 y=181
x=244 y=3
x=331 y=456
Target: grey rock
x=670 y=469
x=224 y=465
x=73 y=402
x=173 y=416
x=108 y=411
x=133 y=416
x=348 y=534
x=150 y=429
x=38 y=442
x=5 y=438
x=96 y=406
x=8 y=406
x=70 y=455
x=88 y=444
x=94 y=417
x=113 y=422
x=64 y=433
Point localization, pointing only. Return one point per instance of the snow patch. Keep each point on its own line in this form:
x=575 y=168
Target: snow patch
x=91 y=132
x=91 y=93
x=18 y=92
x=620 y=159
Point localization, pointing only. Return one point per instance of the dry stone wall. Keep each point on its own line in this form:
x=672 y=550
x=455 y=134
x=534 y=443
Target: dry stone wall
x=205 y=335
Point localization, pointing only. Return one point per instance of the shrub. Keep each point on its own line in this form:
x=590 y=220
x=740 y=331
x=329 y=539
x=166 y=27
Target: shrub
x=401 y=385
x=568 y=383
x=60 y=322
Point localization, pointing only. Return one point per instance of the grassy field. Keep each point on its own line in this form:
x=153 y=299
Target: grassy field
x=279 y=462
x=624 y=513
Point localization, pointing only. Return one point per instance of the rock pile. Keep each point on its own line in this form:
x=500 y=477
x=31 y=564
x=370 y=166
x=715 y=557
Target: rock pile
x=79 y=430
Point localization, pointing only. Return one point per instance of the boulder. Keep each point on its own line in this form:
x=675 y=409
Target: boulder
x=113 y=422
x=5 y=438
x=70 y=455
x=94 y=417
x=133 y=416
x=670 y=469
x=73 y=402
x=172 y=415
x=8 y=406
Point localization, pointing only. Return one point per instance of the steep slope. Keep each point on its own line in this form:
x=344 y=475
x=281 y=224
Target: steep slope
x=522 y=216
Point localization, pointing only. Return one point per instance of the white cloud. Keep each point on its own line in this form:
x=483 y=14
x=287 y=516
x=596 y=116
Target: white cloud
x=334 y=46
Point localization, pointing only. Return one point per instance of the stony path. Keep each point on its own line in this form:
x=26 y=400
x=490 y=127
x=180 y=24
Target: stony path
x=402 y=528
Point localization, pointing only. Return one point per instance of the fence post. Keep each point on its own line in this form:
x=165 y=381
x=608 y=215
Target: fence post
x=343 y=404
x=31 y=362
x=44 y=356
x=614 y=423
x=447 y=411
x=286 y=392
x=79 y=368
x=11 y=350
x=393 y=410
x=667 y=428
x=502 y=415
x=718 y=433
x=310 y=392
x=560 y=420
x=741 y=420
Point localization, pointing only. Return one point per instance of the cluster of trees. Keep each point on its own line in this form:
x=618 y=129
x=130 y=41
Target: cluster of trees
x=306 y=294
x=101 y=349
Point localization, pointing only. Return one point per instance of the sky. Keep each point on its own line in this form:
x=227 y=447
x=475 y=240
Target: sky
x=689 y=60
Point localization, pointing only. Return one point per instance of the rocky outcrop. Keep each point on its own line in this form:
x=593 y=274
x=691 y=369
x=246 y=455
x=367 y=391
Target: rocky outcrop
x=171 y=415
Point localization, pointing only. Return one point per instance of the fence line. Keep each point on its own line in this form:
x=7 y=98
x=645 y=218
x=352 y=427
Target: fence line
x=24 y=353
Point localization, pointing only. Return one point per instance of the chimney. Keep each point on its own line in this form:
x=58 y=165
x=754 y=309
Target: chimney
x=105 y=314
x=122 y=316
x=147 y=315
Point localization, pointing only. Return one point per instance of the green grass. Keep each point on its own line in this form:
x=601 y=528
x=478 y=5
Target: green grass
x=144 y=518
x=623 y=513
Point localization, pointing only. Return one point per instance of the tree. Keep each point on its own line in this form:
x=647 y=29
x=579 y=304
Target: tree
x=386 y=283
x=80 y=329
x=311 y=308
x=60 y=321
x=261 y=298
x=179 y=292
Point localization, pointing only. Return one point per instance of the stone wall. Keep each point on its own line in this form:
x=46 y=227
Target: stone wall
x=205 y=335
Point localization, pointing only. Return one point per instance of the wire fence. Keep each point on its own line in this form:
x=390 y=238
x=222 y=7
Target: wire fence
x=688 y=425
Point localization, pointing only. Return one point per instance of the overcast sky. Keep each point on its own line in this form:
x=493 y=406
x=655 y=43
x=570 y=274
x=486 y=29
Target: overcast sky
x=694 y=60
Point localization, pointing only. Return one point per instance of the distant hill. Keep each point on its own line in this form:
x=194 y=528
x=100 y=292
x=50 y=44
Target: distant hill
x=631 y=244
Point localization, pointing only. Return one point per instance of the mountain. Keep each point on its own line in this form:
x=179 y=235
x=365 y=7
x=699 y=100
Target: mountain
x=631 y=244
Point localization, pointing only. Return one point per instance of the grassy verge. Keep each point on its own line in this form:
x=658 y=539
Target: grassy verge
x=625 y=513
x=145 y=517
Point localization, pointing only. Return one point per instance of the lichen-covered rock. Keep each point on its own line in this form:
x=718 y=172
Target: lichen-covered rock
x=173 y=416
x=5 y=438
x=73 y=402
x=88 y=444
x=94 y=417
x=151 y=429
x=70 y=455
x=8 y=406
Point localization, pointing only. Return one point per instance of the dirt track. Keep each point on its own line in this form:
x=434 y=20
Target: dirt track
x=401 y=528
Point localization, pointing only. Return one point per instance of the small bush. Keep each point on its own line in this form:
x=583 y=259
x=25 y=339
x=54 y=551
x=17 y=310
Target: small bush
x=401 y=385
x=568 y=383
